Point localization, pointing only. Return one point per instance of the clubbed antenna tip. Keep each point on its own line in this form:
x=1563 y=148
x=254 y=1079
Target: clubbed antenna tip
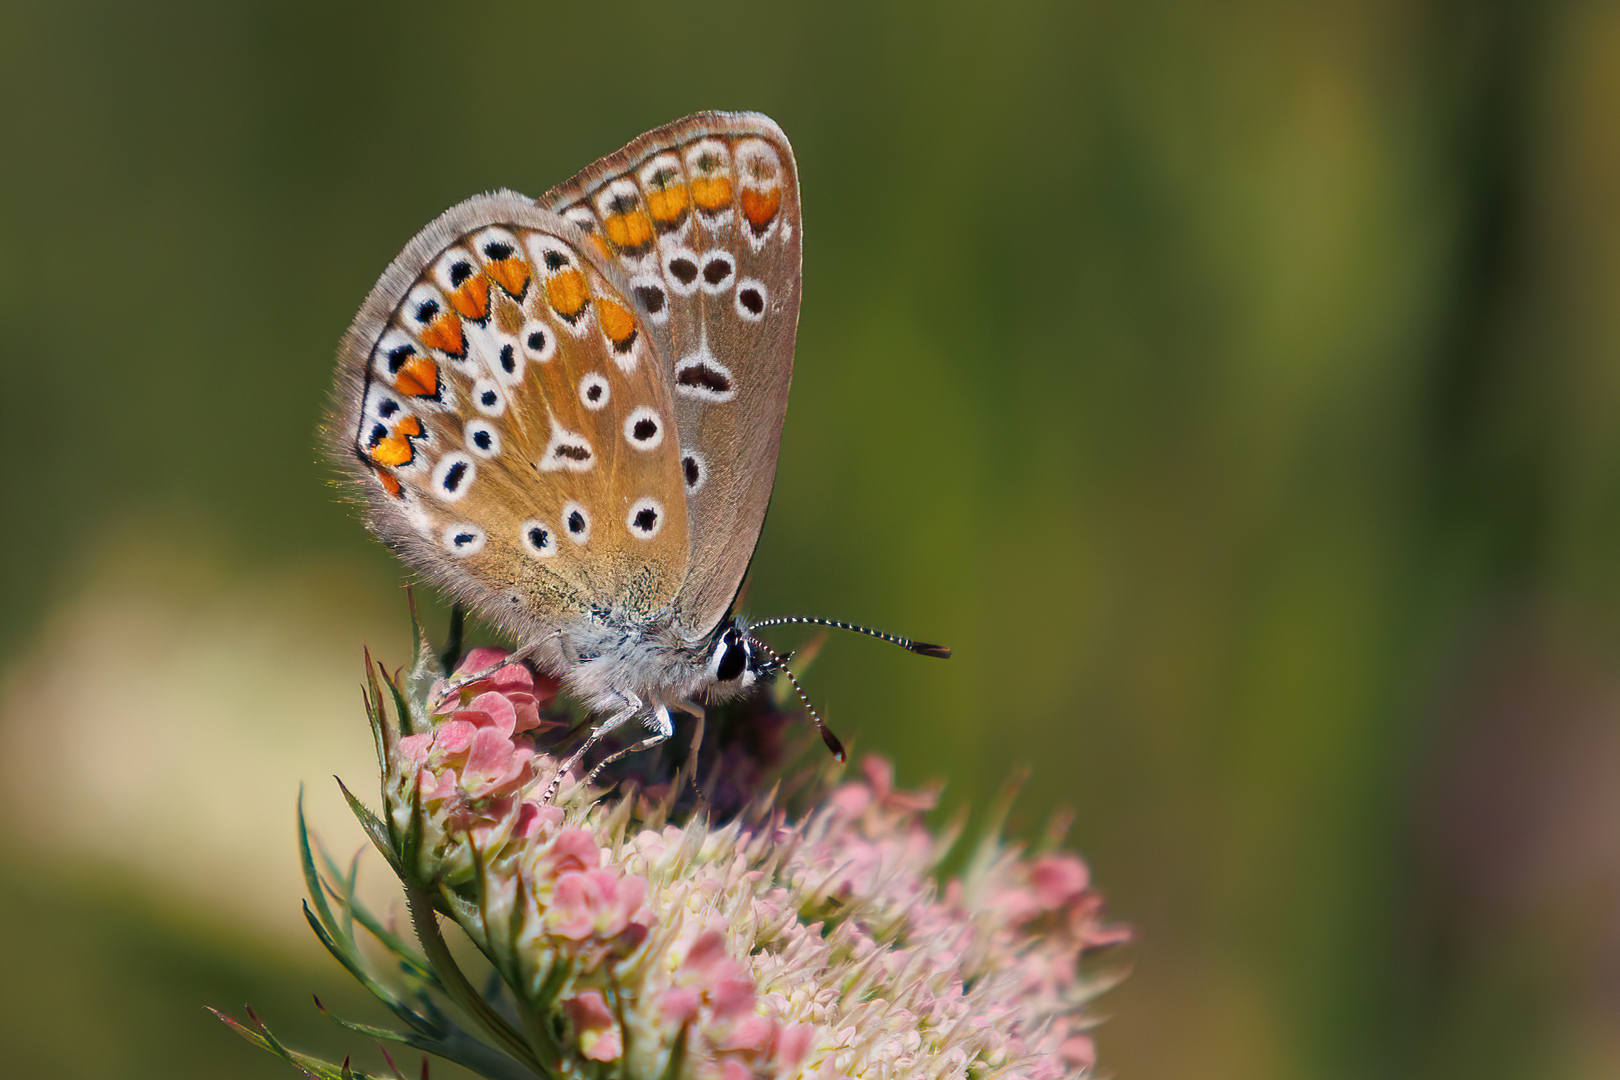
x=827 y=736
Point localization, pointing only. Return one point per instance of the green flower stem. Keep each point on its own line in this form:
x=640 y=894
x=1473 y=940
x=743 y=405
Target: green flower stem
x=426 y=921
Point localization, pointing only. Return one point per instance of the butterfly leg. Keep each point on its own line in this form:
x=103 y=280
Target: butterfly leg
x=692 y=708
x=516 y=656
x=632 y=705
x=662 y=727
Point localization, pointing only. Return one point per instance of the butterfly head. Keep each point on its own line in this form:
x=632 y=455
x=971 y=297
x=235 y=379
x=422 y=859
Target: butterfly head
x=738 y=660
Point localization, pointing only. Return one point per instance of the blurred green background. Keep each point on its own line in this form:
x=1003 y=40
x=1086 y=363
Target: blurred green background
x=1234 y=385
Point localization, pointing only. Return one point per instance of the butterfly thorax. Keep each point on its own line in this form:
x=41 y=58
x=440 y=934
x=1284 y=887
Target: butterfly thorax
x=606 y=659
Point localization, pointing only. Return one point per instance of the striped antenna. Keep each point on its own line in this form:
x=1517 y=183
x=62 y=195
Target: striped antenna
x=827 y=736
x=921 y=648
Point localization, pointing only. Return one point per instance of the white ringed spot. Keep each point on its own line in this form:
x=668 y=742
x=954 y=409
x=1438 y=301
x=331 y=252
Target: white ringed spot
x=682 y=269
x=751 y=299
x=503 y=355
x=537 y=539
x=694 y=470
x=463 y=539
x=482 y=438
x=643 y=429
x=718 y=271
x=487 y=397
x=594 y=391
x=453 y=475
x=577 y=522
x=538 y=341
x=645 y=518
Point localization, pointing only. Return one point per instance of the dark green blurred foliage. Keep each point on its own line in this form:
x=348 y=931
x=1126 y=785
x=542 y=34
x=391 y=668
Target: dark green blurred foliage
x=1234 y=386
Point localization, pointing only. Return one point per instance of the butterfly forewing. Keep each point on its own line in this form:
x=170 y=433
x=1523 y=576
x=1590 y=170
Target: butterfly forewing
x=505 y=407
x=703 y=217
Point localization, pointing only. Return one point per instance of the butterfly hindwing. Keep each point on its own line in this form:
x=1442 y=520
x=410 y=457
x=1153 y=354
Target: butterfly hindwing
x=503 y=405
x=702 y=215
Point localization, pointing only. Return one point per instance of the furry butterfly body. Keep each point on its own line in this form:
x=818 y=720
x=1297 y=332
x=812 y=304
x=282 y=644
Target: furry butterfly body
x=566 y=411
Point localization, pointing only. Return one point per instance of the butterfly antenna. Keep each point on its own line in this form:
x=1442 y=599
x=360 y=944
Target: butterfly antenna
x=921 y=648
x=827 y=736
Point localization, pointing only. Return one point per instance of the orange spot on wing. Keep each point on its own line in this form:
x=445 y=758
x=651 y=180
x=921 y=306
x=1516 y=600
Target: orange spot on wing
x=392 y=451
x=668 y=205
x=472 y=299
x=511 y=275
x=711 y=193
x=389 y=481
x=418 y=377
x=445 y=335
x=396 y=449
x=566 y=292
x=760 y=207
x=632 y=230
x=617 y=322
x=601 y=246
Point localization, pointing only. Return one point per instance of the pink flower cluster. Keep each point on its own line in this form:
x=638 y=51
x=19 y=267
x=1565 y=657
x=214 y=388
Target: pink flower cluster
x=987 y=971
x=472 y=768
x=813 y=947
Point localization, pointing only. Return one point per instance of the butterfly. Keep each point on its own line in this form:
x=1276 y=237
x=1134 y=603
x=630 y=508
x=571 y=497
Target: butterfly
x=566 y=412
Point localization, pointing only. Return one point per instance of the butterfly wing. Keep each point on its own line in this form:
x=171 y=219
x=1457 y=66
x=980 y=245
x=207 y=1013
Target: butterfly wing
x=504 y=410
x=703 y=217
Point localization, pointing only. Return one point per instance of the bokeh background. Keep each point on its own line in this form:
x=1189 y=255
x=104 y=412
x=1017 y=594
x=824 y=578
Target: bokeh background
x=1235 y=385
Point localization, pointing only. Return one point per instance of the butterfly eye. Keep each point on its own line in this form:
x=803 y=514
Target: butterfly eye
x=577 y=522
x=483 y=439
x=643 y=430
x=730 y=656
x=538 y=539
x=452 y=476
x=646 y=517
x=463 y=539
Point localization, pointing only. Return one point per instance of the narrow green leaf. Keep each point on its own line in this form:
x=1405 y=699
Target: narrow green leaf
x=312 y=878
x=374 y=828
